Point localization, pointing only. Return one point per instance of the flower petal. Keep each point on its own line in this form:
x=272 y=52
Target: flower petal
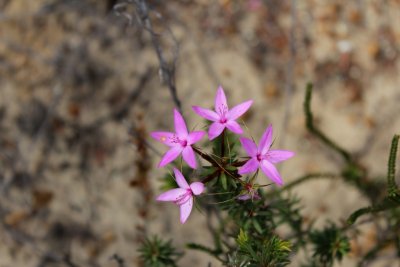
x=247 y=196
x=244 y=197
x=215 y=130
x=170 y=155
x=250 y=166
x=266 y=140
x=256 y=196
x=164 y=137
x=197 y=188
x=239 y=110
x=189 y=157
x=186 y=209
x=234 y=127
x=194 y=137
x=180 y=125
x=249 y=146
x=270 y=171
x=206 y=113
x=172 y=195
x=221 y=106
x=180 y=179
x=275 y=156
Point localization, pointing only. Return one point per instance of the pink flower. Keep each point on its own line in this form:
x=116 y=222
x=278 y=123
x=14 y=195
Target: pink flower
x=182 y=196
x=223 y=117
x=179 y=142
x=263 y=157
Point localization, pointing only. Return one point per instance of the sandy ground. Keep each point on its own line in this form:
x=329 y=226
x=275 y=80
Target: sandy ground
x=68 y=162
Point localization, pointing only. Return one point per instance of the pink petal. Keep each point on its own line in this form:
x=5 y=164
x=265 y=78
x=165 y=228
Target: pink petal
x=256 y=196
x=249 y=146
x=180 y=125
x=215 y=130
x=266 y=140
x=172 y=195
x=189 y=157
x=275 y=156
x=270 y=171
x=220 y=101
x=180 y=180
x=197 y=188
x=244 y=197
x=194 y=137
x=170 y=155
x=250 y=166
x=206 y=113
x=186 y=208
x=164 y=137
x=239 y=110
x=234 y=127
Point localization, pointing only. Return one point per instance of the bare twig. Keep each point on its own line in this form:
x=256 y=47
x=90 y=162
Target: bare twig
x=167 y=71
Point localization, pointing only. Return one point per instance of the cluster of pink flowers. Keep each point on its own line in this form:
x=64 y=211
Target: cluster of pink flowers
x=181 y=142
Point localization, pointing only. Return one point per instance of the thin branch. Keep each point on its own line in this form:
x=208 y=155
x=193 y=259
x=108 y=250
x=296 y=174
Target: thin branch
x=308 y=177
x=206 y=157
x=317 y=132
x=167 y=71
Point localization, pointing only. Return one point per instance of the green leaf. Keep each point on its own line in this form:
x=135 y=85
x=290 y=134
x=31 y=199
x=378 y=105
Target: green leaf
x=242 y=238
x=223 y=181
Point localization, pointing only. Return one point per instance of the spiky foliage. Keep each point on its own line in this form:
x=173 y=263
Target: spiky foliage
x=156 y=252
x=329 y=244
x=271 y=251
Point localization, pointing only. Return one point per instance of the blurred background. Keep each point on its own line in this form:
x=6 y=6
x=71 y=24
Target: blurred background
x=83 y=82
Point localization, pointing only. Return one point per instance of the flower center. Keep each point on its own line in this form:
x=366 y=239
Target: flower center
x=249 y=187
x=175 y=139
x=259 y=157
x=182 y=199
x=183 y=143
x=223 y=120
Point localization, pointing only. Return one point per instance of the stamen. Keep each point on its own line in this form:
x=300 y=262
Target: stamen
x=181 y=199
x=223 y=109
x=222 y=112
x=175 y=139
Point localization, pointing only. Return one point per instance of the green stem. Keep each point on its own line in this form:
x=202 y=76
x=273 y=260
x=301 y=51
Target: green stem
x=223 y=144
x=310 y=126
x=393 y=190
x=308 y=177
x=386 y=204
